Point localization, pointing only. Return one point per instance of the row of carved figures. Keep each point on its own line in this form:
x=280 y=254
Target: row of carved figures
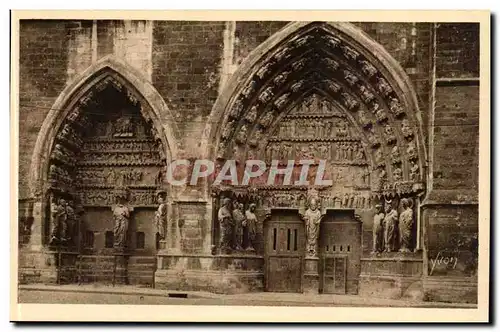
x=336 y=151
x=346 y=200
x=238 y=226
x=393 y=232
x=65 y=219
x=309 y=128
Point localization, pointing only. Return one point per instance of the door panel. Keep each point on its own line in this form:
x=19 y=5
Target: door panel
x=284 y=254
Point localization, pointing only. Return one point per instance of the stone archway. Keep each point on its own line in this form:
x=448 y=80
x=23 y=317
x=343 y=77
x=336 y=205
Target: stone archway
x=324 y=90
x=107 y=135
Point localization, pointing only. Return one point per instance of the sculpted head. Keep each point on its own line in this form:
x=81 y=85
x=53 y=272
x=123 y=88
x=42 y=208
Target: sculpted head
x=313 y=205
x=378 y=208
x=388 y=207
x=252 y=207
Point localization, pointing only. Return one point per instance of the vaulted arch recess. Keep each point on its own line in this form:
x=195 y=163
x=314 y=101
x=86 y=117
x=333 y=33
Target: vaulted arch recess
x=106 y=146
x=326 y=81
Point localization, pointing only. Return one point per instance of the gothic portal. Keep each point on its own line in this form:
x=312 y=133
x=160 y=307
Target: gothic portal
x=319 y=95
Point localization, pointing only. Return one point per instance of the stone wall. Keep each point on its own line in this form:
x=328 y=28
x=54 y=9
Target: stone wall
x=189 y=62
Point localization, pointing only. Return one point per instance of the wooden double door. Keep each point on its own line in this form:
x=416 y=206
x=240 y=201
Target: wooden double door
x=284 y=252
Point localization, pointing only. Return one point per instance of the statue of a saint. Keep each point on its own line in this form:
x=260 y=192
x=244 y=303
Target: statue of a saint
x=70 y=221
x=226 y=224
x=239 y=218
x=121 y=214
x=59 y=224
x=161 y=214
x=312 y=218
x=390 y=227
x=405 y=225
x=378 y=230
x=250 y=227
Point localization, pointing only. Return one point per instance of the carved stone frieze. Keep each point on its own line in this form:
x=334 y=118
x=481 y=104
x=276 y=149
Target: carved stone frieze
x=119 y=145
x=352 y=200
x=126 y=158
x=109 y=177
x=105 y=197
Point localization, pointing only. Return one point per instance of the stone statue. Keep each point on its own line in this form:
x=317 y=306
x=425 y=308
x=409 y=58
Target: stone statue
x=250 y=227
x=378 y=230
x=121 y=215
x=226 y=224
x=390 y=227
x=59 y=226
x=312 y=218
x=161 y=214
x=70 y=221
x=239 y=219
x=124 y=127
x=405 y=225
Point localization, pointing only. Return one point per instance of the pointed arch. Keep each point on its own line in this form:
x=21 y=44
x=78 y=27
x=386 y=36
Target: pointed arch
x=108 y=70
x=345 y=65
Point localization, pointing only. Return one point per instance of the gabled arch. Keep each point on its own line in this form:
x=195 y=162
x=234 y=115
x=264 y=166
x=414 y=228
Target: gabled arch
x=348 y=67
x=108 y=70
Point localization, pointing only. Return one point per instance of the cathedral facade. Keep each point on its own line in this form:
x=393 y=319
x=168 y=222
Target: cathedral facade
x=387 y=112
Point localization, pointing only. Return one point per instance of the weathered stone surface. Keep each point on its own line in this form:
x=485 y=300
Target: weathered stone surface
x=366 y=127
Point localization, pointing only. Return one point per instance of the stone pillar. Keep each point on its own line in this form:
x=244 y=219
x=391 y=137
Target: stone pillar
x=120 y=268
x=311 y=275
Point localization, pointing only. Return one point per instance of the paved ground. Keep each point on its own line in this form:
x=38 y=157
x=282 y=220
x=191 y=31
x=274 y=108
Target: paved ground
x=94 y=294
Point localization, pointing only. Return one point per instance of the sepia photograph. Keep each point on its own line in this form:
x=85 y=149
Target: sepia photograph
x=207 y=161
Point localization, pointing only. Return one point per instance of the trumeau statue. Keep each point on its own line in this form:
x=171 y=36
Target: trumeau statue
x=405 y=225
x=226 y=223
x=378 y=230
x=121 y=215
x=312 y=218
